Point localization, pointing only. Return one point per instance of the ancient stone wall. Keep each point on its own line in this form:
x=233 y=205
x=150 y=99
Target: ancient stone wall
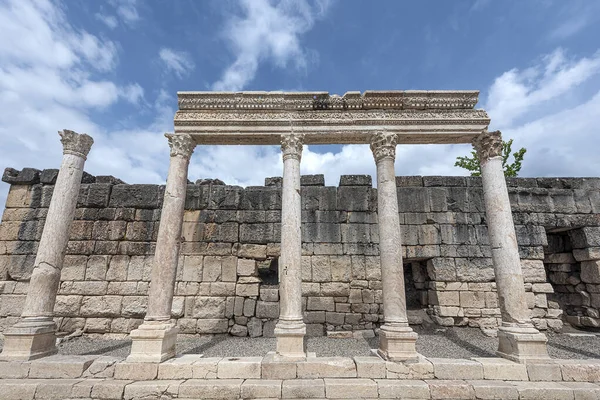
x=227 y=270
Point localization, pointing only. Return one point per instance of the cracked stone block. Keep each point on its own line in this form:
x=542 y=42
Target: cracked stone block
x=239 y=367
x=303 y=389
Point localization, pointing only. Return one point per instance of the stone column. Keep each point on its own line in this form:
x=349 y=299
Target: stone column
x=34 y=335
x=290 y=328
x=155 y=339
x=397 y=341
x=519 y=340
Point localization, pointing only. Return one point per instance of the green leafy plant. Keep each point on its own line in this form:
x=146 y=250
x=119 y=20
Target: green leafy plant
x=510 y=170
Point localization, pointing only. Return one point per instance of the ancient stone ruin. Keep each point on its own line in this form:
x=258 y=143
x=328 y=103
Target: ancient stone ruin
x=295 y=257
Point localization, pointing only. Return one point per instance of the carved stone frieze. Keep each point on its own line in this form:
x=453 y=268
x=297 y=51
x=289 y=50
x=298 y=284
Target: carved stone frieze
x=361 y=117
x=488 y=145
x=75 y=143
x=383 y=144
x=291 y=145
x=396 y=99
x=181 y=144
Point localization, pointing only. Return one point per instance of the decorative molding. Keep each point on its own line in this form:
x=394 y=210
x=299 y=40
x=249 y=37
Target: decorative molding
x=358 y=117
x=75 y=143
x=397 y=99
x=383 y=145
x=181 y=144
x=291 y=146
x=488 y=145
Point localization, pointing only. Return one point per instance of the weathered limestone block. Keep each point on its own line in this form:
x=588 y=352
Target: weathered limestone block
x=151 y=389
x=60 y=366
x=101 y=306
x=320 y=304
x=321 y=269
x=590 y=271
x=397 y=389
x=261 y=388
x=109 y=389
x=212 y=325
x=370 y=367
x=240 y=367
x=585 y=237
x=350 y=388
x=580 y=370
x=502 y=369
x=488 y=389
x=211 y=388
x=211 y=269
x=441 y=269
x=340 y=268
x=420 y=369
x=450 y=389
x=208 y=307
x=269 y=294
x=587 y=254
x=326 y=367
x=267 y=310
x=303 y=389
x=246 y=267
x=446 y=368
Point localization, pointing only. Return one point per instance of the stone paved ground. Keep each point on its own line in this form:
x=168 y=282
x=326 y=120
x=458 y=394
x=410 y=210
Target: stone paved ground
x=451 y=343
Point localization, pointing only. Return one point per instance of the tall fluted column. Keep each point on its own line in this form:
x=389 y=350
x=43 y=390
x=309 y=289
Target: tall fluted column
x=518 y=339
x=290 y=328
x=397 y=341
x=155 y=339
x=34 y=335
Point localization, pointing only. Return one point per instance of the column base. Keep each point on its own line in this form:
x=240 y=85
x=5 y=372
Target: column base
x=397 y=343
x=153 y=342
x=30 y=339
x=522 y=344
x=290 y=339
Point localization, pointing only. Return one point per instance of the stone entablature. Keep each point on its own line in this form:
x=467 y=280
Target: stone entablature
x=262 y=117
x=230 y=232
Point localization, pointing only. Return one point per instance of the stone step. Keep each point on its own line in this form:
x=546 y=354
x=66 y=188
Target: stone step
x=331 y=388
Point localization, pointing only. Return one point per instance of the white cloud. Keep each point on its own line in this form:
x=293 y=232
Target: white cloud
x=52 y=77
x=517 y=93
x=180 y=62
x=108 y=20
x=127 y=10
x=133 y=93
x=548 y=109
x=267 y=31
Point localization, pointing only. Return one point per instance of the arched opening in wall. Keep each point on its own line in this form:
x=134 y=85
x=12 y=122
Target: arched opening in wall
x=575 y=298
x=268 y=271
x=416 y=283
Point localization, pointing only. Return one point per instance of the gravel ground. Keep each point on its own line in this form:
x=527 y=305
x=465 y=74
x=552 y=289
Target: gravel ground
x=449 y=343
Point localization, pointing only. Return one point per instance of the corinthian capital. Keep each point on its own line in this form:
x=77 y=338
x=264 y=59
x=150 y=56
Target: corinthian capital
x=488 y=145
x=291 y=146
x=383 y=145
x=181 y=145
x=75 y=143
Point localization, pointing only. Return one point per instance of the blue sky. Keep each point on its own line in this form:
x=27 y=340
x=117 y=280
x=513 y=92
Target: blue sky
x=112 y=69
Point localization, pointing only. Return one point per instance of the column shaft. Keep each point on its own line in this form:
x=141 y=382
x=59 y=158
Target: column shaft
x=397 y=341
x=164 y=269
x=33 y=336
x=390 y=244
x=290 y=328
x=518 y=339
x=155 y=339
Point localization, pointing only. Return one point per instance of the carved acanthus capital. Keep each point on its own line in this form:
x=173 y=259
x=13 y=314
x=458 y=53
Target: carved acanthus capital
x=181 y=144
x=291 y=146
x=75 y=143
x=488 y=145
x=383 y=145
